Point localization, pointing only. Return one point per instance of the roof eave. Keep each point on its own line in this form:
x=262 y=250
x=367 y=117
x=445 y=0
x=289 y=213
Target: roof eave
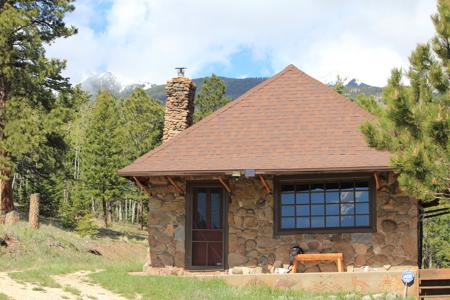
x=257 y=171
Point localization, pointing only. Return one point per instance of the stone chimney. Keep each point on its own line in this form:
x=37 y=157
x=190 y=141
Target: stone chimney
x=179 y=114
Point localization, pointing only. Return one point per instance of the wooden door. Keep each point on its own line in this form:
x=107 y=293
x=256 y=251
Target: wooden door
x=207 y=244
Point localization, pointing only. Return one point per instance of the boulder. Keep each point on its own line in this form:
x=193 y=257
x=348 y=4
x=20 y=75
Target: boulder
x=235 y=259
x=12 y=218
x=263 y=261
x=360 y=249
x=360 y=260
x=236 y=271
x=389 y=225
x=250 y=245
x=313 y=245
x=250 y=222
x=166 y=259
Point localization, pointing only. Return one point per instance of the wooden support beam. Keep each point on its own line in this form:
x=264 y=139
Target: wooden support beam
x=225 y=185
x=264 y=183
x=377 y=181
x=175 y=185
x=142 y=187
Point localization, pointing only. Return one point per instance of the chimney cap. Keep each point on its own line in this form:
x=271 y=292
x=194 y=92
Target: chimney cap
x=180 y=71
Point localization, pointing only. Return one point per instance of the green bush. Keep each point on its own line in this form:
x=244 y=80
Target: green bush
x=86 y=226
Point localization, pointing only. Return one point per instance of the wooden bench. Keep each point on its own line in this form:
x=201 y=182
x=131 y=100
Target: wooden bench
x=338 y=257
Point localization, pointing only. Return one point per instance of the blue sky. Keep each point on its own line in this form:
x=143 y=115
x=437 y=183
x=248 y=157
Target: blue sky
x=143 y=40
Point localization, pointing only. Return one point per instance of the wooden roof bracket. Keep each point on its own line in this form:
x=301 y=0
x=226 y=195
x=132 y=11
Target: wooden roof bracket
x=175 y=185
x=225 y=185
x=264 y=183
x=377 y=181
x=142 y=187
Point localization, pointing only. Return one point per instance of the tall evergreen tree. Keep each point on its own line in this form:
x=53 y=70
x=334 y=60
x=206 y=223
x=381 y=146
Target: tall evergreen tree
x=28 y=81
x=210 y=98
x=102 y=155
x=413 y=121
x=46 y=169
x=142 y=122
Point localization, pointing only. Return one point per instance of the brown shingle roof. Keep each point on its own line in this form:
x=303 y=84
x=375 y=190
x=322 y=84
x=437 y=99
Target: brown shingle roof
x=289 y=123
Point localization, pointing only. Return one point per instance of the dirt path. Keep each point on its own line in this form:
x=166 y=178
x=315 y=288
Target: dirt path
x=18 y=290
x=88 y=289
x=78 y=281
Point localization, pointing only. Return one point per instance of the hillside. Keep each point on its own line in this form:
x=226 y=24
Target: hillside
x=235 y=86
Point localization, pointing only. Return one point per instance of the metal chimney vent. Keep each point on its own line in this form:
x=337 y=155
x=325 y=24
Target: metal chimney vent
x=180 y=71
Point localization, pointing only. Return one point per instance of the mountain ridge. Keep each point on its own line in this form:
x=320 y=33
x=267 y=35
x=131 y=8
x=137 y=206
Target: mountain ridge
x=234 y=86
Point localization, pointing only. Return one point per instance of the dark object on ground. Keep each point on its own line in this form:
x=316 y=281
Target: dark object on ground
x=94 y=252
x=56 y=244
x=7 y=241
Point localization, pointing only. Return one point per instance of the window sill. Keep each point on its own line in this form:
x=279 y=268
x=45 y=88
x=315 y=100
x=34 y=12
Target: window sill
x=325 y=231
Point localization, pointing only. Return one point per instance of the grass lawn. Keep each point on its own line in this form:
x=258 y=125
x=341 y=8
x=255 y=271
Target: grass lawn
x=3 y=297
x=174 y=287
x=37 y=254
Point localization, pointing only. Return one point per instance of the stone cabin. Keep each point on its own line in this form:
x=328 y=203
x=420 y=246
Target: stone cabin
x=285 y=164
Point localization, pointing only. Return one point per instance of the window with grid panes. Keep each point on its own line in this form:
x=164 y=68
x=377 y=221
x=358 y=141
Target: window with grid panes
x=330 y=205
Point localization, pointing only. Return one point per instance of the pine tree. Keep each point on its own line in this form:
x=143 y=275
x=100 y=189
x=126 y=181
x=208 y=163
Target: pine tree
x=339 y=85
x=28 y=81
x=413 y=121
x=210 y=98
x=102 y=155
x=142 y=121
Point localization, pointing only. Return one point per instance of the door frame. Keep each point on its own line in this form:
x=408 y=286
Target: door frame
x=190 y=186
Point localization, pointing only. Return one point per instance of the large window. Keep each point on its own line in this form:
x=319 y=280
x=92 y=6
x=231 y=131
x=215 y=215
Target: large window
x=323 y=205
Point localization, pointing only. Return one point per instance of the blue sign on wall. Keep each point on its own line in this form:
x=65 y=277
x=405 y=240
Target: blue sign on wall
x=407 y=277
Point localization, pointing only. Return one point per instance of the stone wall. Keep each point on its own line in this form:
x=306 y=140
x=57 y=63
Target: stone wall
x=252 y=242
x=179 y=113
x=166 y=220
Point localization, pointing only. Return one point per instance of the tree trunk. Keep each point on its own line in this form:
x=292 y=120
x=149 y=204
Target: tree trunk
x=93 y=205
x=109 y=206
x=126 y=210
x=33 y=218
x=133 y=206
x=142 y=214
x=6 y=199
x=105 y=213
x=120 y=211
x=6 y=196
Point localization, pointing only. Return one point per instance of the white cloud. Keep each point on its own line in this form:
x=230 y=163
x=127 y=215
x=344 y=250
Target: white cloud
x=145 y=39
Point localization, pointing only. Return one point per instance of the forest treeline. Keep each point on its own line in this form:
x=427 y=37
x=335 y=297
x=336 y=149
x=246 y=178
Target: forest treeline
x=99 y=135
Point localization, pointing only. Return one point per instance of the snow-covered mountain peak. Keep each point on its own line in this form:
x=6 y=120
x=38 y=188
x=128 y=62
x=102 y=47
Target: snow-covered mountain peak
x=112 y=83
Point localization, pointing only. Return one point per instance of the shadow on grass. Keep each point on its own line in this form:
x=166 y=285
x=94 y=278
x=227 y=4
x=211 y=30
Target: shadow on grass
x=115 y=234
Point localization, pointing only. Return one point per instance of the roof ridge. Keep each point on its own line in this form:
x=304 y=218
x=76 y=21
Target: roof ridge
x=340 y=96
x=217 y=112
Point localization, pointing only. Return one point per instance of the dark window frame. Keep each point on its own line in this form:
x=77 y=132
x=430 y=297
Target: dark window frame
x=322 y=179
